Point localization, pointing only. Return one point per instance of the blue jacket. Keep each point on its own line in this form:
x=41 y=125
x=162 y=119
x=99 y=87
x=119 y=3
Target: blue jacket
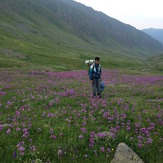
x=95 y=71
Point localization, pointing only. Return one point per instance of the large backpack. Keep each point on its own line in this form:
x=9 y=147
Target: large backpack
x=89 y=63
x=92 y=66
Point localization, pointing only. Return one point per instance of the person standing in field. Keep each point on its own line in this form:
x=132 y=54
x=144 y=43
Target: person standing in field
x=95 y=77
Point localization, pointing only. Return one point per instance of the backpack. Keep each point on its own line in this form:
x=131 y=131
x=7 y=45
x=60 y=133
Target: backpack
x=89 y=63
x=99 y=68
x=89 y=66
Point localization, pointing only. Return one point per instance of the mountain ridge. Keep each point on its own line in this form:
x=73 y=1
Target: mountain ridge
x=155 y=33
x=69 y=31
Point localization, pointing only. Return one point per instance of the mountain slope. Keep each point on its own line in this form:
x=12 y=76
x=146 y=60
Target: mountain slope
x=62 y=33
x=155 y=63
x=108 y=31
x=155 y=33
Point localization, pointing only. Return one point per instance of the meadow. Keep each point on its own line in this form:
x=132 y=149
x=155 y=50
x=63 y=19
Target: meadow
x=52 y=117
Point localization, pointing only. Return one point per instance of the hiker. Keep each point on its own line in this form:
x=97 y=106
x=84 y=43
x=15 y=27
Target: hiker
x=95 y=77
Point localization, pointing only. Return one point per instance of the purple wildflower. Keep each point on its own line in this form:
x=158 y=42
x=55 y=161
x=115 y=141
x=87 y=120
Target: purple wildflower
x=101 y=135
x=33 y=148
x=140 y=145
x=80 y=136
x=149 y=141
x=60 y=152
x=139 y=137
x=2 y=93
x=8 y=131
x=21 y=149
x=25 y=134
x=51 y=131
x=118 y=127
x=102 y=149
x=17 y=112
x=131 y=138
x=25 y=130
x=83 y=130
x=138 y=124
x=53 y=137
x=124 y=116
x=109 y=150
x=110 y=119
x=18 y=129
x=91 y=140
x=128 y=128
x=105 y=114
x=50 y=115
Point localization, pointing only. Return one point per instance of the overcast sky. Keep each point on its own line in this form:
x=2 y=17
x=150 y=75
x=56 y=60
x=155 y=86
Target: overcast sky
x=138 y=13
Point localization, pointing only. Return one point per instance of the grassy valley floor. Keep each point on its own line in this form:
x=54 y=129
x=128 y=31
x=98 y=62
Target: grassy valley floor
x=51 y=117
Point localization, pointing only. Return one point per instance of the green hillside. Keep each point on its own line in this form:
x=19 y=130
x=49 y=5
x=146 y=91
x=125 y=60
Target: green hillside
x=61 y=34
x=155 y=63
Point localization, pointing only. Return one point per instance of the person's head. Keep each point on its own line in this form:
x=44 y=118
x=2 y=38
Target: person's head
x=97 y=60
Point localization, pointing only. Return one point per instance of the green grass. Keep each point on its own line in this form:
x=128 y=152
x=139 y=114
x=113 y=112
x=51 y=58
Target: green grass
x=38 y=51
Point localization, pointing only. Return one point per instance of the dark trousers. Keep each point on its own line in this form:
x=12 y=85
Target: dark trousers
x=96 y=86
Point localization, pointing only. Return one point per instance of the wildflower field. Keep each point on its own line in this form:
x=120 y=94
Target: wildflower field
x=52 y=117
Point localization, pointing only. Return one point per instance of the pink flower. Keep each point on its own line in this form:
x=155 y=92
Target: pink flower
x=20 y=144
x=25 y=134
x=83 y=130
x=149 y=141
x=51 y=131
x=61 y=134
x=60 y=152
x=128 y=128
x=53 y=137
x=8 y=131
x=3 y=93
x=50 y=115
x=21 y=149
x=18 y=129
x=80 y=136
x=9 y=103
x=51 y=103
x=109 y=150
x=102 y=149
x=25 y=130
x=33 y=148
x=140 y=145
